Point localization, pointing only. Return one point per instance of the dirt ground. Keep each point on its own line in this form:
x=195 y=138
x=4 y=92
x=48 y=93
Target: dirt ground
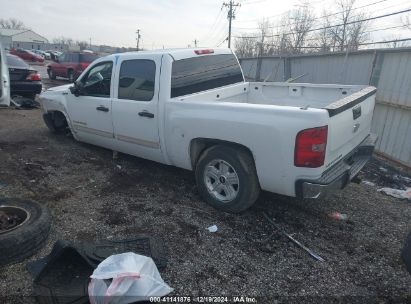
x=93 y=197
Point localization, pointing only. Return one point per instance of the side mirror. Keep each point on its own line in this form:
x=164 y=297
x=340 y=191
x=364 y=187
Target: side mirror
x=75 y=89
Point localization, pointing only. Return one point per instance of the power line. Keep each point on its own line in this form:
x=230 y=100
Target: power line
x=359 y=44
x=216 y=20
x=336 y=25
x=333 y=14
x=225 y=39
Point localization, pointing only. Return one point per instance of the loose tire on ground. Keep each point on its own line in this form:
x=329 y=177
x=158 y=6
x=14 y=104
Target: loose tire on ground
x=242 y=164
x=25 y=240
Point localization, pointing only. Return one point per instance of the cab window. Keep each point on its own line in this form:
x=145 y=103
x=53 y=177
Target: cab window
x=97 y=81
x=137 y=79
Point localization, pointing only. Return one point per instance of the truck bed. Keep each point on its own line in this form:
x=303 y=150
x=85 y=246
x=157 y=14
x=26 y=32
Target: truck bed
x=301 y=95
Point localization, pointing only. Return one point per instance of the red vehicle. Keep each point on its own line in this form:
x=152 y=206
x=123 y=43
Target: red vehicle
x=27 y=55
x=70 y=65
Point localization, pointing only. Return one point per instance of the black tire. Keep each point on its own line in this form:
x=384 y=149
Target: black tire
x=70 y=76
x=243 y=164
x=406 y=253
x=51 y=74
x=56 y=122
x=27 y=239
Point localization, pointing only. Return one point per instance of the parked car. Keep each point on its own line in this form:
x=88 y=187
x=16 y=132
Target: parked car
x=42 y=54
x=70 y=65
x=24 y=80
x=191 y=108
x=4 y=79
x=27 y=55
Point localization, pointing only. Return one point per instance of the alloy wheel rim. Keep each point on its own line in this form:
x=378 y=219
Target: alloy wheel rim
x=221 y=180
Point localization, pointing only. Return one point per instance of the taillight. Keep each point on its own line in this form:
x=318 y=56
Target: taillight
x=35 y=76
x=310 y=147
x=204 y=52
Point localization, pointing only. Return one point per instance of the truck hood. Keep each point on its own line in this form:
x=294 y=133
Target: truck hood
x=61 y=88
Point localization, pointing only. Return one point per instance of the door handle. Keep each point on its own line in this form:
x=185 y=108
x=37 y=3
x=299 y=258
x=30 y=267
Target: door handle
x=102 y=108
x=146 y=114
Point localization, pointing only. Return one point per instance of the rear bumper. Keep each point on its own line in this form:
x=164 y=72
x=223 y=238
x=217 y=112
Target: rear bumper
x=25 y=87
x=340 y=174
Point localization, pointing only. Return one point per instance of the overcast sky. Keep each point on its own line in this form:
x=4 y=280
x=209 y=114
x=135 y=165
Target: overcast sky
x=172 y=23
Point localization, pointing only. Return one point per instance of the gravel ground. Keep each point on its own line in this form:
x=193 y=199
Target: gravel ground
x=93 y=197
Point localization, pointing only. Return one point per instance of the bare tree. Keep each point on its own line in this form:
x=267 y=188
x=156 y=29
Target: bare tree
x=82 y=44
x=245 y=46
x=12 y=23
x=350 y=31
x=297 y=25
x=63 y=40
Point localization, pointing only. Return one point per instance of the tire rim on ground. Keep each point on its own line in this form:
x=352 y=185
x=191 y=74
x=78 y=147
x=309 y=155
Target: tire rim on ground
x=221 y=180
x=15 y=215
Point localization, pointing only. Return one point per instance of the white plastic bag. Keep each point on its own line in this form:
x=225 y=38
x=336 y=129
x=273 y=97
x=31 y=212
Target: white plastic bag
x=134 y=278
x=402 y=194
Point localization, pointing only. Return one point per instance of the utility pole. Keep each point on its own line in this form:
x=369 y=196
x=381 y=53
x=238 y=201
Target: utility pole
x=138 y=38
x=230 y=17
x=90 y=43
x=195 y=42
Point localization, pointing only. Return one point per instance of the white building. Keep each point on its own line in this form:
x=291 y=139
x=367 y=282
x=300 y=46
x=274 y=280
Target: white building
x=26 y=39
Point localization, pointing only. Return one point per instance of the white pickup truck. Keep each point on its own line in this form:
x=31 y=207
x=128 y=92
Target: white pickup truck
x=191 y=108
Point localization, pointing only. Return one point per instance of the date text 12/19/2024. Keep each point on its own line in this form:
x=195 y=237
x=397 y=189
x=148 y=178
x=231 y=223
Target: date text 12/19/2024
x=203 y=299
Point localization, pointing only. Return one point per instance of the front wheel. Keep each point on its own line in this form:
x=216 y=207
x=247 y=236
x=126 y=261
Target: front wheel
x=227 y=179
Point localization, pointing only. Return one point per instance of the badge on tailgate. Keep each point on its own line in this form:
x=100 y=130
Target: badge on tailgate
x=356 y=112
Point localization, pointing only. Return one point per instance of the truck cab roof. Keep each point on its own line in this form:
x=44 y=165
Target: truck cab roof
x=178 y=54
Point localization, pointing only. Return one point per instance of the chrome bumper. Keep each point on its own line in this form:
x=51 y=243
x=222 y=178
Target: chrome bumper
x=340 y=174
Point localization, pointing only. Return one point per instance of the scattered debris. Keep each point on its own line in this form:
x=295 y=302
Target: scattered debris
x=21 y=102
x=401 y=194
x=368 y=183
x=213 y=228
x=383 y=169
x=115 y=154
x=290 y=237
x=129 y=276
x=66 y=271
x=118 y=167
x=338 y=216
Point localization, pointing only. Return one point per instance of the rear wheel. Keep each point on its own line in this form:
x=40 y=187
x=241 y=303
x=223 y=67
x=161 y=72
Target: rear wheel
x=227 y=179
x=51 y=74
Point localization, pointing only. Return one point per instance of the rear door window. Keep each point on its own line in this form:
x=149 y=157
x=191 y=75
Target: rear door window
x=137 y=79
x=198 y=74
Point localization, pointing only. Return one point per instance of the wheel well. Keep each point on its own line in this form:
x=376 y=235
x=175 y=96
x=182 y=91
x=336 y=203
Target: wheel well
x=59 y=119
x=199 y=145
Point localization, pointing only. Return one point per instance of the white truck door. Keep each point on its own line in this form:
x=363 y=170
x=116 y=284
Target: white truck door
x=90 y=112
x=135 y=106
x=4 y=79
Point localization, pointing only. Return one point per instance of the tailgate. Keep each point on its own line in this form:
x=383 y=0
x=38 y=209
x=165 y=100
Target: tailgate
x=350 y=123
